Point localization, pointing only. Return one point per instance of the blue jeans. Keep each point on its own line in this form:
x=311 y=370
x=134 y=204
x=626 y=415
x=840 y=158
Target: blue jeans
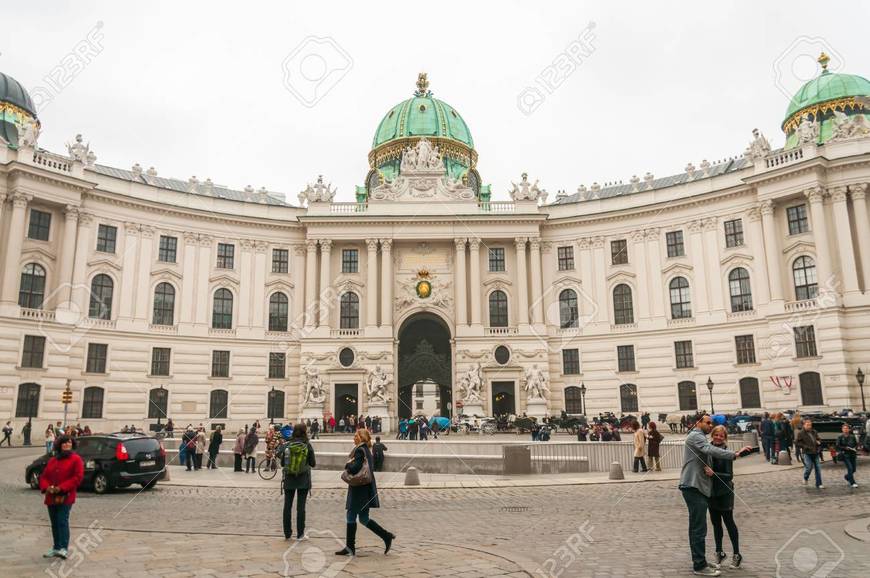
x=697 y=503
x=811 y=461
x=363 y=516
x=767 y=444
x=851 y=461
x=59 y=516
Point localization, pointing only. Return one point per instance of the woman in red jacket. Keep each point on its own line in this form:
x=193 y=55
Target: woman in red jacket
x=59 y=480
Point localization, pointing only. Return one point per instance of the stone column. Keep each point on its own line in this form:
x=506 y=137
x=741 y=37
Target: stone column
x=599 y=265
x=386 y=282
x=698 y=283
x=204 y=298
x=128 y=274
x=643 y=294
x=188 y=281
x=80 y=293
x=3 y=197
x=14 y=242
x=848 y=267
x=654 y=273
x=298 y=272
x=522 y=282
x=67 y=258
x=246 y=280
x=587 y=278
x=460 y=272
x=827 y=281
x=760 y=274
x=548 y=277
x=143 y=270
x=258 y=312
x=771 y=250
x=713 y=270
x=474 y=270
x=310 y=283
x=537 y=304
x=862 y=226
x=372 y=283
x=326 y=298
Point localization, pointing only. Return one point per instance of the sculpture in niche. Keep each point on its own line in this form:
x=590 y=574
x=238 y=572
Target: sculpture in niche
x=808 y=130
x=536 y=383
x=315 y=391
x=471 y=384
x=377 y=387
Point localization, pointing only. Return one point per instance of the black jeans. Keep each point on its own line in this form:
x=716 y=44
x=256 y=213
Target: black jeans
x=250 y=464
x=696 y=502
x=189 y=459
x=289 y=494
x=212 y=459
x=717 y=517
x=767 y=444
x=639 y=462
x=237 y=462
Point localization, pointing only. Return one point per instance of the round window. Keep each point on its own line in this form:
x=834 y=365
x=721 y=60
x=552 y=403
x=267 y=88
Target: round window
x=502 y=354
x=346 y=357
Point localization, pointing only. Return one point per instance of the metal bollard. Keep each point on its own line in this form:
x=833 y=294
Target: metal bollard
x=616 y=471
x=784 y=458
x=412 y=477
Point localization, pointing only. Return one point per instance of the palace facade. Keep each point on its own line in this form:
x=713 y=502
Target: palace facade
x=154 y=297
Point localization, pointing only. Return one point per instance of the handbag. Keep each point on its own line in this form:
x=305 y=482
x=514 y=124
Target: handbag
x=57 y=499
x=362 y=478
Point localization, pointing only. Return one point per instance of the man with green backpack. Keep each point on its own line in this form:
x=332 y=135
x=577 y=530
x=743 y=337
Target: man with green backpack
x=298 y=459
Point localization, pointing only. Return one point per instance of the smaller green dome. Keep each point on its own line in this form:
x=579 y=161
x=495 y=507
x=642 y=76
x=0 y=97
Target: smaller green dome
x=828 y=86
x=13 y=93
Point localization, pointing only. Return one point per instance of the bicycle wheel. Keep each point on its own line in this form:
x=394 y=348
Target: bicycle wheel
x=267 y=469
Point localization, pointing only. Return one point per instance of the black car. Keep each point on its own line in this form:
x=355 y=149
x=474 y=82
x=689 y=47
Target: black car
x=112 y=461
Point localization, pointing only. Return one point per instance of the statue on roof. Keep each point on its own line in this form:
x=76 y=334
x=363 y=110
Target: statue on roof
x=422 y=85
x=527 y=191
x=28 y=133
x=317 y=193
x=421 y=157
x=808 y=130
x=78 y=151
x=759 y=147
x=849 y=127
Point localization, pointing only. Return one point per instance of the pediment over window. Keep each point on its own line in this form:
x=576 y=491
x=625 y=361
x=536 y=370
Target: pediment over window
x=677 y=268
x=621 y=276
x=280 y=283
x=42 y=251
x=567 y=280
x=499 y=282
x=737 y=259
x=799 y=246
x=104 y=262
x=224 y=278
x=166 y=272
x=345 y=284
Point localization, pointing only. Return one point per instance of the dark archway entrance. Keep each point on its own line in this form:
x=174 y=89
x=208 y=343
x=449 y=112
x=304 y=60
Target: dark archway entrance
x=503 y=401
x=346 y=400
x=424 y=353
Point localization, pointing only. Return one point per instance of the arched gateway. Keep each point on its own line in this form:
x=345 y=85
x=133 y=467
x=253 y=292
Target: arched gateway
x=424 y=353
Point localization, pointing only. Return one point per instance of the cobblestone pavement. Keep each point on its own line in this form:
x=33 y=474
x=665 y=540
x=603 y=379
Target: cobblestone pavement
x=591 y=530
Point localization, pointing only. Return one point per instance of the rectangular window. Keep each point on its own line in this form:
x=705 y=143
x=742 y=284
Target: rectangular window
x=805 y=341
x=496 y=259
x=34 y=351
x=280 y=260
x=226 y=253
x=220 y=363
x=625 y=357
x=570 y=361
x=676 y=248
x=619 y=252
x=797 y=220
x=160 y=361
x=40 y=224
x=107 y=237
x=566 y=258
x=167 y=253
x=683 y=352
x=350 y=261
x=745 y=349
x=734 y=233
x=277 y=363
x=97 y=353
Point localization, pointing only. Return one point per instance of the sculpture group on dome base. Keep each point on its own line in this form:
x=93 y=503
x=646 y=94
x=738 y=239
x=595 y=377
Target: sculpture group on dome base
x=422 y=177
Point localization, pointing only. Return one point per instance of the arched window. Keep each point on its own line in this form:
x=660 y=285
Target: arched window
x=275 y=404
x=92 y=403
x=628 y=398
x=158 y=403
x=164 y=304
x=31 y=292
x=811 y=388
x=498 y=309
x=749 y=394
x=28 y=400
x=681 y=301
x=741 y=292
x=805 y=284
x=102 y=288
x=623 y=306
x=568 y=309
x=573 y=400
x=222 y=313
x=349 y=318
x=217 y=407
x=688 y=396
x=278 y=312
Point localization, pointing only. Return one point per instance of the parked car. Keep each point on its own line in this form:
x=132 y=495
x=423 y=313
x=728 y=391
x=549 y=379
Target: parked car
x=111 y=461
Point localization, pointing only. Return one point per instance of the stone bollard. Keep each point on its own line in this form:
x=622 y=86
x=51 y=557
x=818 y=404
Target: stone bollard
x=750 y=439
x=412 y=477
x=616 y=471
x=165 y=476
x=784 y=458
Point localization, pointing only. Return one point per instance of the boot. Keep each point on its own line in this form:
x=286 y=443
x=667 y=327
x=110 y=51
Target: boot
x=387 y=537
x=349 y=542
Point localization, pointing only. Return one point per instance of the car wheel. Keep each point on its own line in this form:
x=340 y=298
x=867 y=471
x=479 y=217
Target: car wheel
x=101 y=484
x=149 y=485
x=34 y=479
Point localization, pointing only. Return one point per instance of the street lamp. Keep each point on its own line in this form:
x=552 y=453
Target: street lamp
x=710 y=389
x=271 y=402
x=160 y=409
x=860 y=377
x=583 y=398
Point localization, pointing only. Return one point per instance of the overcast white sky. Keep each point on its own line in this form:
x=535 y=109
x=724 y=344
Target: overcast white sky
x=198 y=88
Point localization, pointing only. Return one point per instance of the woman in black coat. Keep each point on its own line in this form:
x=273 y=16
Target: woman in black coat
x=721 y=503
x=361 y=498
x=214 y=446
x=299 y=483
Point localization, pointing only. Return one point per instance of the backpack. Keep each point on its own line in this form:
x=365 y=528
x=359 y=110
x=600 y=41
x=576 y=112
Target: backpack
x=296 y=459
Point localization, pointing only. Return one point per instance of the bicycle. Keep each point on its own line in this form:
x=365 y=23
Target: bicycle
x=269 y=466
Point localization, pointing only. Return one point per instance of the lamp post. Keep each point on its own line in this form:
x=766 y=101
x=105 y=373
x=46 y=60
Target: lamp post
x=271 y=401
x=159 y=409
x=710 y=389
x=860 y=377
x=583 y=398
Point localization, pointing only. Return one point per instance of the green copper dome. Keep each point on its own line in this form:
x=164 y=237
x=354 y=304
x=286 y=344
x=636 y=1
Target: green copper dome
x=16 y=109
x=826 y=87
x=422 y=115
x=12 y=92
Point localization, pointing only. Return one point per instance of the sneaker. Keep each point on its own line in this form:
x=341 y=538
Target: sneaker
x=63 y=553
x=50 y=554
x=821 y=486
x=854 y=485
x=707 y=571
x=736 y=560
x=720 y=556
